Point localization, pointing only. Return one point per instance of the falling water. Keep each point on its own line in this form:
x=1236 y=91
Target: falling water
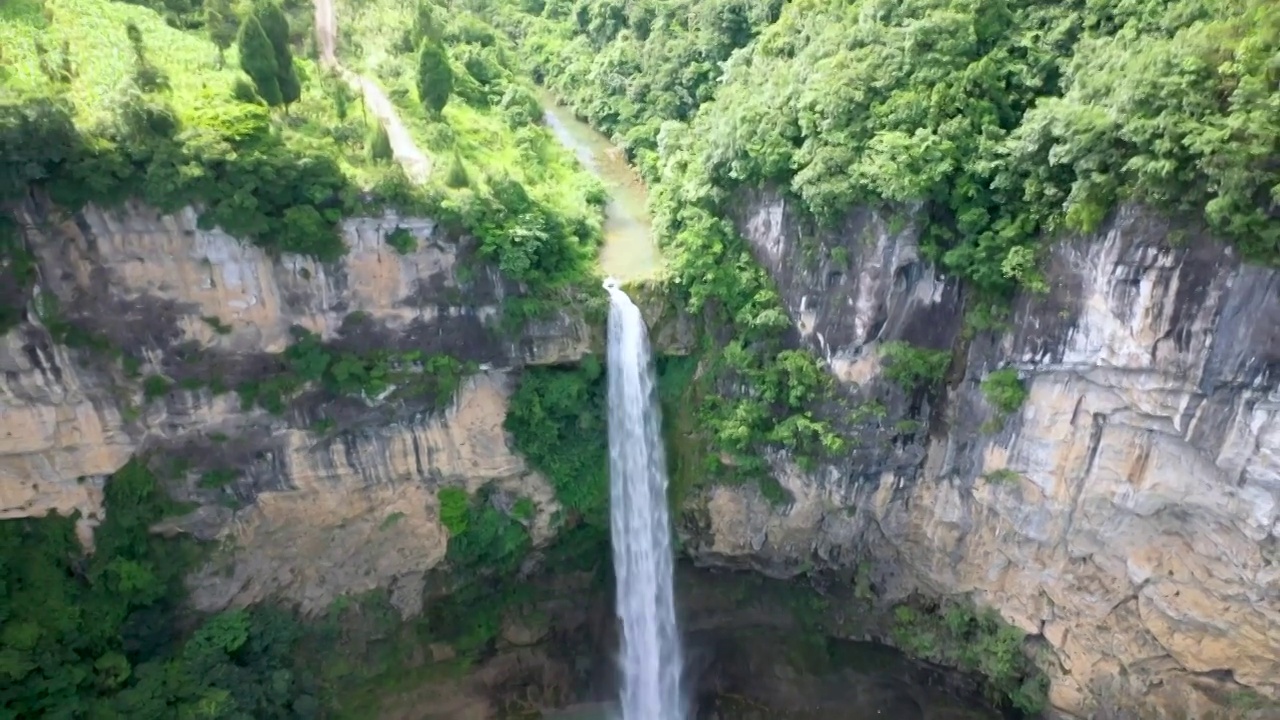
x=650 y=658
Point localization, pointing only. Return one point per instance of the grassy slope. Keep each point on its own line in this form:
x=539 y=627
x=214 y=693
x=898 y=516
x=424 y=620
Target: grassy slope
x=201 y=89
x=372 y=43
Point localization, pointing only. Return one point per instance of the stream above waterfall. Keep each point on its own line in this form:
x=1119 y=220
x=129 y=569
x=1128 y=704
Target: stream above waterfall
x=629 y=252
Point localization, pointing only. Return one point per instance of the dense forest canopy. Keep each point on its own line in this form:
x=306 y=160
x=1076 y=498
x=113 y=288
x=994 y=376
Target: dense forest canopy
x=1010 y=120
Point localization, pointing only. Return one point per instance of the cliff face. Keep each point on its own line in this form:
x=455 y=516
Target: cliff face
x=1126 y=512
x=315 y=511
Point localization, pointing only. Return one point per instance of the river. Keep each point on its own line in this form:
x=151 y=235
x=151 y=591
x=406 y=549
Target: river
x=630 y=252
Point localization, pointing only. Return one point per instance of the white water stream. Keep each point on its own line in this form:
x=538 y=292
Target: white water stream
x=650 y=659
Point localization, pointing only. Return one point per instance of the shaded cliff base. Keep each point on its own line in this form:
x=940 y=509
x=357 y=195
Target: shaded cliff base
x=543 y=648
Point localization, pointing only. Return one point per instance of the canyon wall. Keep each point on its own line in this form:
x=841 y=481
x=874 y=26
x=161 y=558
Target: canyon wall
x=1126 y=513
x=315 y=510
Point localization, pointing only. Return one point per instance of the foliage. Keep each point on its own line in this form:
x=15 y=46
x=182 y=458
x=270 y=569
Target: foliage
x=454 y=509
x=377 y=375
x=976 y=641
x=427 y=26
x=17 y=274
x=1004 y=390
x=155 y=386
x=435 y=76
x=98 y=636
x=456 y=176
x=1002 y=475
x=165 y=125
x=1010 y=122
x=402 y=241
x=482 y=538
x=912 y=367
x=221 y=23
x=509 y=185
x=216 y=324
x=557 y=421
x=379 y=143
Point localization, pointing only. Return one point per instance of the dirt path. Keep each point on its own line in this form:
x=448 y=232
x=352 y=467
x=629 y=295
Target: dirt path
x=416 y=164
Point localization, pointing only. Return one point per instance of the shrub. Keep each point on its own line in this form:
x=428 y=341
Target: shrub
x=402 y=241
x=1004 y=390
x=557 y=421
x=456 y=176
x=912 y=367
x=221 y=24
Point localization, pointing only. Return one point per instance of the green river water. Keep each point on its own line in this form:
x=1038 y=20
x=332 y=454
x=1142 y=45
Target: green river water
x=629 y=250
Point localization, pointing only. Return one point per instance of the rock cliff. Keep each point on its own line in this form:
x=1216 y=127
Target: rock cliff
x=1125 y=513
x=315 y=509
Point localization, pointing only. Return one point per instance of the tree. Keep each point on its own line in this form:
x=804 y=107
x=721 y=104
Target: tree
x=435 y=76
x=221 y=23
x=379 y=143
x=258 y=60
x=456 y=176
x=276 y=28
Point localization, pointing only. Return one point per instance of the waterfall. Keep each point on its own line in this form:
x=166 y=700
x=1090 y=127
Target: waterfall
x=650 y=659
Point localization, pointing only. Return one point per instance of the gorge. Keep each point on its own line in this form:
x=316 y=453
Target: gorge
x=966 y=328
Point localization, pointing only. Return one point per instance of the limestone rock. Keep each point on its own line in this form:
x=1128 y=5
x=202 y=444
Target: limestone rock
x=1127 y=512
x=317 y=515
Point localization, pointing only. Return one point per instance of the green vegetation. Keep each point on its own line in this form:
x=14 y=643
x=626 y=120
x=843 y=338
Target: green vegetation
x=914 y=368
x=977 y=642
x=155 y=386
x=402 y=241
x=534 y=212
x=382 y=375
x=100 y=636
x=1002 y=475
x=435 y=76
x=557 y=421
x=217 y=478
x=167 y=125
x=188 y=118
x=258 y=60
x=1004 y=390
x=1012 y=122
x=17 y=274
x=483 y=540
x=454 y=505
x=105 y=635
x=217 y=325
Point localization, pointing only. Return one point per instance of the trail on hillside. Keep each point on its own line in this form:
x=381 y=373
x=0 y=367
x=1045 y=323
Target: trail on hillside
x=415 y=163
